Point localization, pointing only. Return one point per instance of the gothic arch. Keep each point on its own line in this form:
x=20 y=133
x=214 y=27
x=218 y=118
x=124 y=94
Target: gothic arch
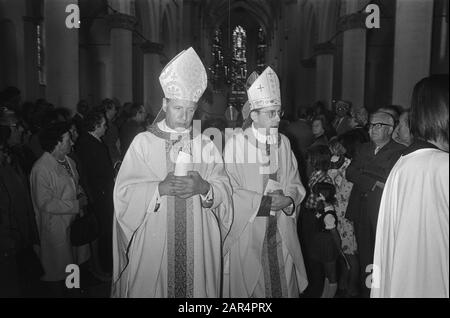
x=258 y=10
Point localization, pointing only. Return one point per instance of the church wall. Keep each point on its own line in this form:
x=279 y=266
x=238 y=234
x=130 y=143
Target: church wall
x=13 y=45
x=412 y=47
x=380 y=59
x=62 y=56
x=99 y=84
x=440 y=39
x=368 y=67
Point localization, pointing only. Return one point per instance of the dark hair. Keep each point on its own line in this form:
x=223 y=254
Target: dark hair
x=82 y=107
x=327 y=128
x=56 y=115
x=327 y=190
x=107 y=104
x=9 y=93
x=351 y=140
x=429 y=109
x=131 y=109
x=93 y=119
x=52 y=134
x=319 y=157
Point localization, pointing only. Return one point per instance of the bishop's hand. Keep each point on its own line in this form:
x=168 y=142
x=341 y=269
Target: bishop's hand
x=279 y=201
x=169 y=185
x=191 y=185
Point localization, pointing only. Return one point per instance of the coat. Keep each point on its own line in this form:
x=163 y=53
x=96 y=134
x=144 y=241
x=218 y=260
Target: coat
x=54 y=197
x=364 y=171
x=94 y=158
x=411 y=250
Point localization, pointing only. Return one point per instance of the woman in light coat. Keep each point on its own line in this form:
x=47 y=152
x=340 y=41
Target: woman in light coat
x=57 y=199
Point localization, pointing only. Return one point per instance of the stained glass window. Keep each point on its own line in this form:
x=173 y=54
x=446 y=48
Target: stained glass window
x=238 y=67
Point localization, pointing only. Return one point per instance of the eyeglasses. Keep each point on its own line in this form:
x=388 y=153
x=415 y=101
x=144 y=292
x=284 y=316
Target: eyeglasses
x=273 y=113
x=378 y=125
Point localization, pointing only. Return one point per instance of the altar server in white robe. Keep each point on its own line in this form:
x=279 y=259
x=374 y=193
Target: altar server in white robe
x=263 y=257
x=412 y=240
x=168 y=227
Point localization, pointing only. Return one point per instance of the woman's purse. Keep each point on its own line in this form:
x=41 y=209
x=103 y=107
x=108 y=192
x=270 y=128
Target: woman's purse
x=84 y=229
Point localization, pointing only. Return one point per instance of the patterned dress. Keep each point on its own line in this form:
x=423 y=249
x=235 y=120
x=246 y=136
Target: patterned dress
x=343 y=191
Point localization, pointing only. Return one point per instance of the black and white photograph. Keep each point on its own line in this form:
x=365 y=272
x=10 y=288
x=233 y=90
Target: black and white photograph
x=224 y=150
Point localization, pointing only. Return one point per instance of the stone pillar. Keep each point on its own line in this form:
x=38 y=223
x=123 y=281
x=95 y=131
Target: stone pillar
x=439 y=51
x=32 y=87
x=412 y=48
x=324 y=72
x=61 y=55
x=353 y=53
x=121 y=26
x=153 y=93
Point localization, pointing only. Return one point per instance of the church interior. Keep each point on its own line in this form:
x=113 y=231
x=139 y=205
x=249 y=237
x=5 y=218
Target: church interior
x=336 y=61
x=322 y=50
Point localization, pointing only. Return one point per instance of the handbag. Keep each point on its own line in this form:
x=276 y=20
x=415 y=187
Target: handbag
x=84 y=229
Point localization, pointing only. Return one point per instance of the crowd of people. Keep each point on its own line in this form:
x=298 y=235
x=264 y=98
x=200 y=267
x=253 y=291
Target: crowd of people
x=346 y=195
x=55 y=167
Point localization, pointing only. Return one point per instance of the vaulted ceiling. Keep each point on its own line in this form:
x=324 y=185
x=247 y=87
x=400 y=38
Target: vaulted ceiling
x=262 y=11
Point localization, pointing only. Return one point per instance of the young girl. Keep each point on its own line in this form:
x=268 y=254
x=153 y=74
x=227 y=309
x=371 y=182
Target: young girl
x=340 y=160
x=326 y=242
x=318 y=162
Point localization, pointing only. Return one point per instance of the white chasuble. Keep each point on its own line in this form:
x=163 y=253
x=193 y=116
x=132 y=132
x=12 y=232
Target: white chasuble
x=168 y=246
x=411 y=256
x=263 y=257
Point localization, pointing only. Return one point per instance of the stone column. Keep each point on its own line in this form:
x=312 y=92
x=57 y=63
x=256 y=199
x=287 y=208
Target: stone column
x=32 y=86
x=412 y=48
x=324 y=72
x=61 y=55
x=121 y=26
x=439 y=51
x=353 y=53
x=153 y=93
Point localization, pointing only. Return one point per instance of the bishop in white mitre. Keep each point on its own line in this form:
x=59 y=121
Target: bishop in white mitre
x=263 y=257
x=170 y=214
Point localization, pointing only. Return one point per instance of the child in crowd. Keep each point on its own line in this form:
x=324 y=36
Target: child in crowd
x=349 y=273
x=318 y=162
x=326 y=241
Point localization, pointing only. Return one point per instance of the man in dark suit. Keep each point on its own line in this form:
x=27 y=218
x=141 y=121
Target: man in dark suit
x=342 y=122
x=78 y=118
x=301 y=137
x=368 y=171
x=96 y=162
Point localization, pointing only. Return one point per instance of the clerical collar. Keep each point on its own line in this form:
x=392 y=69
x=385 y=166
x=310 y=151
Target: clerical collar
x=62 y=161
x=163 y=126
x=270 y=139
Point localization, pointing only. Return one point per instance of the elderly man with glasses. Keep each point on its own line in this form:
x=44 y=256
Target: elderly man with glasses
x=368 y=171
